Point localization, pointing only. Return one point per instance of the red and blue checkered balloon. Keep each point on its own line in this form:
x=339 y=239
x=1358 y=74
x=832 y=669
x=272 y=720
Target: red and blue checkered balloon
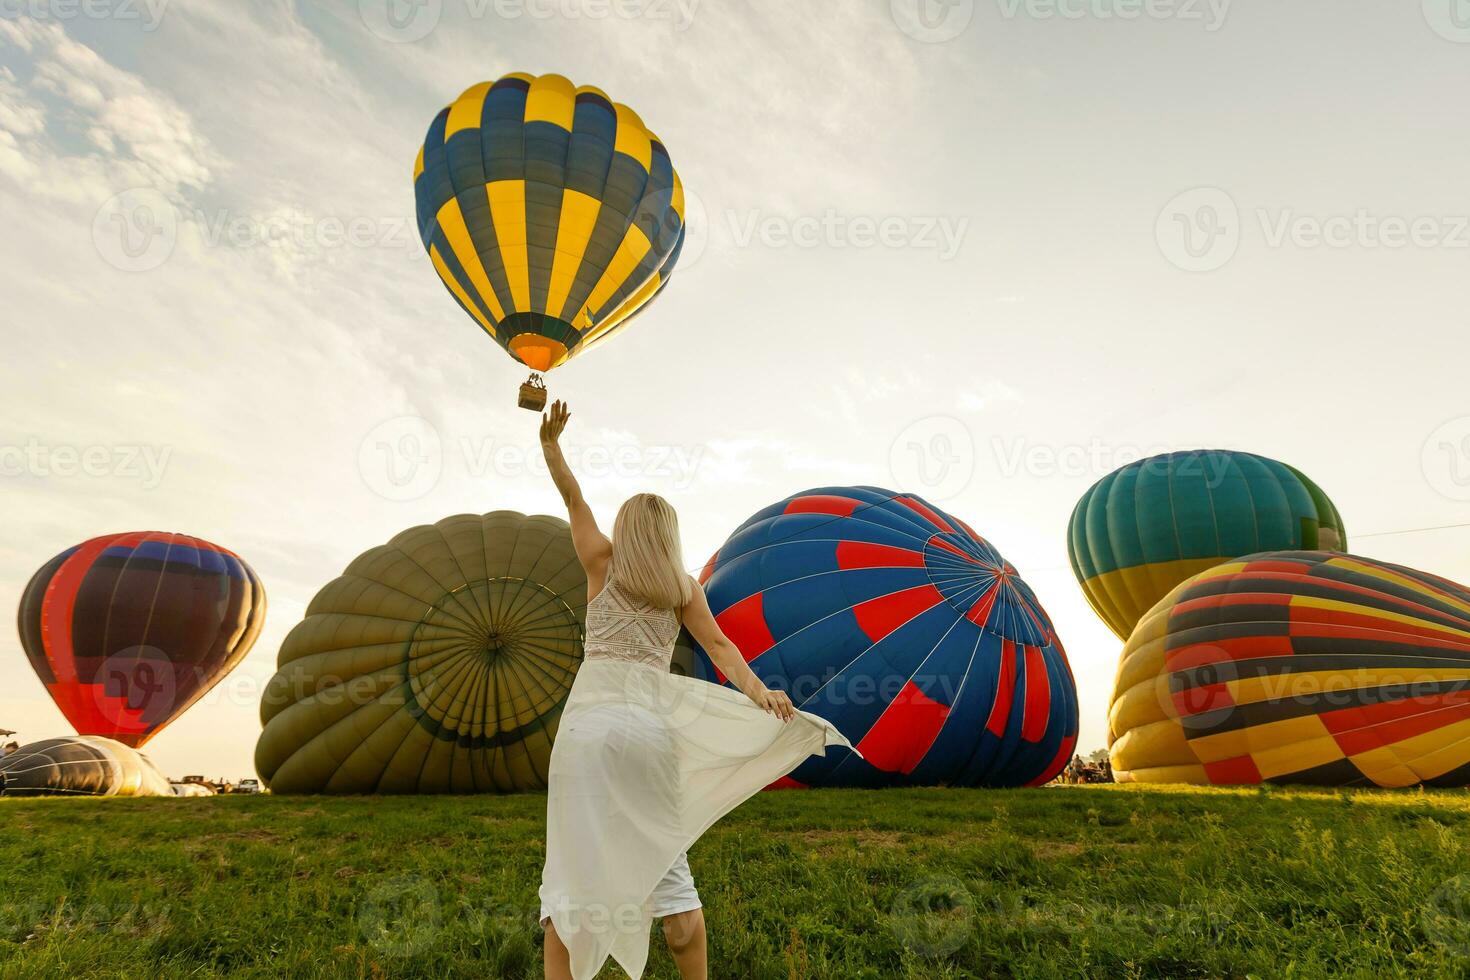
x=905 y=629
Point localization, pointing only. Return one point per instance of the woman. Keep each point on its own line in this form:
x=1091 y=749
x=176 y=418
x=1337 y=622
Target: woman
x=645 y=761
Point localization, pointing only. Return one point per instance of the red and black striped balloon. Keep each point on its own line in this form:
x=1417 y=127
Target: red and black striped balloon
x=128 y=630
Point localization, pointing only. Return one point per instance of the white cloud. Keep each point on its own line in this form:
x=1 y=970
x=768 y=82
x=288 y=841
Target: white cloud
x=140 y=136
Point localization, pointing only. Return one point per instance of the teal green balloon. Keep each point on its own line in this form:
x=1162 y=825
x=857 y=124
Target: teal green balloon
x=1143 y=529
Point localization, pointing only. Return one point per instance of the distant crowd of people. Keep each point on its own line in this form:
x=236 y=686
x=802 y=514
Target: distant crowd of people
x=1081 y=771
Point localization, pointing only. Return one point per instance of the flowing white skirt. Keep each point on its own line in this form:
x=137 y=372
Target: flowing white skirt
x=644 y=763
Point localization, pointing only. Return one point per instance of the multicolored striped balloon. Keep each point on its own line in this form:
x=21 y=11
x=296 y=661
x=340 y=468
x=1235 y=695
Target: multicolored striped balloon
x=1298 y=667
x=128 y=630
x=550 y=212
x=1144 y=528
x=905 y=629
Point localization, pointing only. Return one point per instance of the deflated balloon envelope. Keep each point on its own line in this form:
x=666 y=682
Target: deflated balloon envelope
x=1144 y=528
x=551 y=213
x=437 y=663
x=126 y=631
x=907 y=630
x=80 y=765
x=1298 y=667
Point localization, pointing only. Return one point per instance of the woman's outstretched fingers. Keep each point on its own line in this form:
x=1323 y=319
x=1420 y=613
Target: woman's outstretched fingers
x=779 y=704
x=553 y=422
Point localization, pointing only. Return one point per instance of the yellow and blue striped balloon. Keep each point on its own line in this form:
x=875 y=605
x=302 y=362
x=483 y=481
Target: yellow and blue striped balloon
x=550 y=212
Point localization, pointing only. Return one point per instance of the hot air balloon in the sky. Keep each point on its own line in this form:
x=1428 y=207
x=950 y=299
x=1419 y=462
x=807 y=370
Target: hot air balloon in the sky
x=552 y=214
x=905 y=629
x=1298 y=667
x=128 y=630
x=1144 y=528
x=437 y=663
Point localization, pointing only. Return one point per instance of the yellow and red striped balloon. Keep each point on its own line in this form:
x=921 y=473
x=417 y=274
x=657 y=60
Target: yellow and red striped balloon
x=1298 y=667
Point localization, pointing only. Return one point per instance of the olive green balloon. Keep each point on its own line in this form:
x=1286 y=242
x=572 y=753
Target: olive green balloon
x=437 y=663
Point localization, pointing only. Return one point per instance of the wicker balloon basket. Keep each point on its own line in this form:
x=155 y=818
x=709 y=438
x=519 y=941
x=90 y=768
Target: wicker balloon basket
x=533 y=394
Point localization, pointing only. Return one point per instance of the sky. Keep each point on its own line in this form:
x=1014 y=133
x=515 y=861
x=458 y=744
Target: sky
x=980 y=250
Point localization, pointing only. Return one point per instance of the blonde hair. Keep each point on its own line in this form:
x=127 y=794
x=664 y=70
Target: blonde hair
x=647 y=559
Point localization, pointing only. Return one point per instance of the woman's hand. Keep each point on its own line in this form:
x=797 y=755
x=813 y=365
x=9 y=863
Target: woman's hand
x=553 y=422
x=777 y=703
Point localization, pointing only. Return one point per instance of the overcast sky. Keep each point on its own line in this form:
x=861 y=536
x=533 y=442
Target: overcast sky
x=982 y=251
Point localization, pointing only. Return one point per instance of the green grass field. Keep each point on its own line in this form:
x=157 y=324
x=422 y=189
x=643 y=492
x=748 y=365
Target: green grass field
x=1067 y=881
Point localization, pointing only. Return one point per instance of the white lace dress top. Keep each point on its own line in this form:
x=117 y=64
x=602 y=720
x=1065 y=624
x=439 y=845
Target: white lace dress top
x=621 y=626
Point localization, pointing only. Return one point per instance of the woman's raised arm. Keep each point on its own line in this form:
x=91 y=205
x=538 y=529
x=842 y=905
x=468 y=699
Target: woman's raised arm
x=593 y=548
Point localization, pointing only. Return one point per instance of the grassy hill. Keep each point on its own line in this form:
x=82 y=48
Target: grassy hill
x=1066 y=881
